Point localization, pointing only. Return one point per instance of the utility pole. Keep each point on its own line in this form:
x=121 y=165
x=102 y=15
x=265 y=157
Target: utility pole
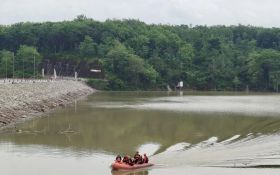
x=6 y=68
x=67 y=66
x=13 y=65
x=48 y=68
x=22 y=68
x=34 y=66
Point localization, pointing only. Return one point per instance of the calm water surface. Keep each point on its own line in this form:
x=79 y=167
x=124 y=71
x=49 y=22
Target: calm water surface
x=85 y=136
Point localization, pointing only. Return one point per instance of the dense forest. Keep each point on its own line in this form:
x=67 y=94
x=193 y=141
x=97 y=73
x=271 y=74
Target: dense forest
x=133 y=55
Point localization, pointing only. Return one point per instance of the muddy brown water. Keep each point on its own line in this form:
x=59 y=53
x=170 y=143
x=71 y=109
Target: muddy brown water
x=85 y=136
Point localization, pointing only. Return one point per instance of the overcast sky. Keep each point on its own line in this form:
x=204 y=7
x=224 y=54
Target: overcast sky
x=210 y=12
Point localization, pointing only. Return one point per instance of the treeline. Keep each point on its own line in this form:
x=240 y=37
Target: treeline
x=134 y=55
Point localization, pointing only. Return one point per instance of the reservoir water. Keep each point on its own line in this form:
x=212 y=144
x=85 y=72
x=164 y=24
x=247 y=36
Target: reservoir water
x=184 y=133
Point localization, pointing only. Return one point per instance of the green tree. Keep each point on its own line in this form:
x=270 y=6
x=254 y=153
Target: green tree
x=81 y=17
x=88 y=48
x=27 y=58
x=186 y=54
x=264 y=67
x=236 y=82
x=6 y=63
x=129 y=68
x=275 y=80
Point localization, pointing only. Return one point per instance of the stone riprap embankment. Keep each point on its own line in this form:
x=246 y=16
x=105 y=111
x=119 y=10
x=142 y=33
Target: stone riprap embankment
x=22 y=100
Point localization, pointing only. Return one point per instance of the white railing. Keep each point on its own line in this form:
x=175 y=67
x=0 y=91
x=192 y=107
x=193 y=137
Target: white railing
x=7 y=81
x=30 y=80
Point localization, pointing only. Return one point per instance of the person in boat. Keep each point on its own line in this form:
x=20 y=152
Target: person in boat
x=130 y=161
x=145 y=159
x=137 y=158
x=118 y=159
x=127 y=160
x=141 y=160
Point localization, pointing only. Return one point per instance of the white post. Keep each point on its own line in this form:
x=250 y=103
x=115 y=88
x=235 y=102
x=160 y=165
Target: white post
x=76 y=76
x=43 y=73
x=180 y=85
x=54 y=74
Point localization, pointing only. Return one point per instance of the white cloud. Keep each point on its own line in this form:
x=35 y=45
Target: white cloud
x=210 y=12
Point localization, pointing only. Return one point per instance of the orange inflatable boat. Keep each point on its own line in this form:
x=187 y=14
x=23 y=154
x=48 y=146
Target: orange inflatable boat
x=123 y=166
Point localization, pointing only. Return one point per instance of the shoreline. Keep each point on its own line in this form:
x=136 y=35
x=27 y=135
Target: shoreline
x=19 y=102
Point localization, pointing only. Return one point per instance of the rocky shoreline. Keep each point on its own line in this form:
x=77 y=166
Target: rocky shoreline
x=25 y=100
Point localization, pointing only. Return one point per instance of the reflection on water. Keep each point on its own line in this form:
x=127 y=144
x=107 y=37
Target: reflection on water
x=121 y=123
x=257 y=105
x=134 y=172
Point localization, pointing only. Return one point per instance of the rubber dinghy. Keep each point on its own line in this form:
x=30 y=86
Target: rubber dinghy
x=123 y=166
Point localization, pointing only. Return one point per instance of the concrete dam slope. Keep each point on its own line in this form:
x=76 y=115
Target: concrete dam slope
x=23 y=100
